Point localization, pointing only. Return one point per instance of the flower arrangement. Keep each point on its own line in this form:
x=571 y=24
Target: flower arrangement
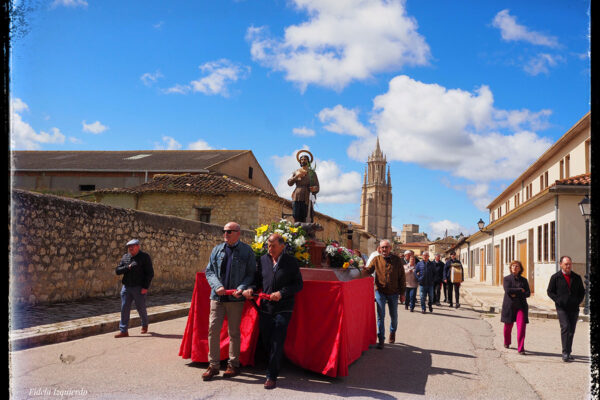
x=342 y=257
x=295 y=240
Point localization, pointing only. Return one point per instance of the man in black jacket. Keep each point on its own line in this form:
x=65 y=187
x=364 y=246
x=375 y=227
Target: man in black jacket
x=137 y=271
x=567 y=291
x=278 y=275
x=439 y=278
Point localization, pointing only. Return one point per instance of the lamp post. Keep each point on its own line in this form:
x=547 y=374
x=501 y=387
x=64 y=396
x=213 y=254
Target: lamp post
x=481 y=224
x=585 y=208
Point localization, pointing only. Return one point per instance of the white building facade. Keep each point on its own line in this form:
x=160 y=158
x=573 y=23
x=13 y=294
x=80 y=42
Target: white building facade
x=536 y=219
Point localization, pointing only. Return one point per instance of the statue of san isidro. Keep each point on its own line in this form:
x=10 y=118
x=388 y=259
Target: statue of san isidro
x=307 y=187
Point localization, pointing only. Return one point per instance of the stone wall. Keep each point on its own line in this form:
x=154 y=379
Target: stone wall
x=64 y=249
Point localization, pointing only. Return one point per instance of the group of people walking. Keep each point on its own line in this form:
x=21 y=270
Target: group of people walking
x=234 y=275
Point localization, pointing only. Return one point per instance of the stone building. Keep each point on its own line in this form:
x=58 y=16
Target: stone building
x=76 y=172
x=217 y=199
x=376 y=198
x=410 y=233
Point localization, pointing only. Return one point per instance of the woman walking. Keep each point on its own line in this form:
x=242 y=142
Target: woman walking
x=514 y=306
x=411 y=284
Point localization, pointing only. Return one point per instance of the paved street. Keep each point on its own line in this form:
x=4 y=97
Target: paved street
x=450 y=354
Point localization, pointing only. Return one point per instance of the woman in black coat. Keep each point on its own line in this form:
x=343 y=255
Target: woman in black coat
x=514 y=306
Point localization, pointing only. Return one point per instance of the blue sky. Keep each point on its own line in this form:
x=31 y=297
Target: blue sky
x=463 y=95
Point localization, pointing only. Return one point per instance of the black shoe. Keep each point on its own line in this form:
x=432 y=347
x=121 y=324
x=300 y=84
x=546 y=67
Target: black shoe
x=506 y=346
x=412 y=309
x=522 y=352
x=571 y=357
x=430 y=309
x=565 y=358
x=423 y=311
x=450 y=305
x=406 y=307
x=457 y=305
x=380 y=344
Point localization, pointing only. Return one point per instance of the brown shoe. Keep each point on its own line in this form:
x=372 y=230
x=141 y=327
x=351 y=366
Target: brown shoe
x=210 y=372
x=122 y=334
x=270 y=384
x=392 y=337
x=144 y=329
x=231 y=371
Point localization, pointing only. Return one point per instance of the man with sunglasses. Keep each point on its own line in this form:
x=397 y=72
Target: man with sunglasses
x=232 y=265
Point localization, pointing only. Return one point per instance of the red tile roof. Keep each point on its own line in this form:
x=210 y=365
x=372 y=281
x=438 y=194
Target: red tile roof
x=583 y=179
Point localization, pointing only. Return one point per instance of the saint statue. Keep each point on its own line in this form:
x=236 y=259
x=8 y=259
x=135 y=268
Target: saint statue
x=307 y=187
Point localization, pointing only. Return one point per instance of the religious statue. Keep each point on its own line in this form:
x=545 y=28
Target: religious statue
x=307 y=187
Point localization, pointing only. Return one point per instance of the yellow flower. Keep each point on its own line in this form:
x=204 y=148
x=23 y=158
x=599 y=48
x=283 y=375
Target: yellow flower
x=346 y=265
x=261 y=229
x=292 y=229
x=257 y=246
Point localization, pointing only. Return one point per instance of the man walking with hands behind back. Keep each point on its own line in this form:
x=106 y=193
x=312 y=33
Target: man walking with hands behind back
x=232 y=266
x=137 y=271
x=567 y=291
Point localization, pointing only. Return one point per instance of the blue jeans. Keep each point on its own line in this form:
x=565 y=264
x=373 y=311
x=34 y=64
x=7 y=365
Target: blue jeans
x=411 y=297
x=392 y=302
x=425 y=291
x=128 y=295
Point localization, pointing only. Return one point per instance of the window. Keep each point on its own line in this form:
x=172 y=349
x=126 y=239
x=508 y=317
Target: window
x=490 y=261
x=517 y=199
x=250 y=172
x=561 y=169
x=545 y=179
x=588 y=153
x=203 y=214
x=568 y=166
x=507 y=206
x=499 y=212
x=541 y=182
x=545 y=242
x=552 y=241
x=87 y=188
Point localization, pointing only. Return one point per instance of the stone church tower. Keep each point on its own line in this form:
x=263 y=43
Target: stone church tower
x=376 y=199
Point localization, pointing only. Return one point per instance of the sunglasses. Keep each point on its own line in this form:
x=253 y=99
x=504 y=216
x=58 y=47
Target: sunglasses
x=228 y=231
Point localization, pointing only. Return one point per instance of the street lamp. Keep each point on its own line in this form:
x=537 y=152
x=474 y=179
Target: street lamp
x=585 y=208
x=481 y=224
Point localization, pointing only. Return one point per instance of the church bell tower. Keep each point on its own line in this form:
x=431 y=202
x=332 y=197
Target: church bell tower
x=376 y=199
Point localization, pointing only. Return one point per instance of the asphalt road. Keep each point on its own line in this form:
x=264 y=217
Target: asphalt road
x=450 y=354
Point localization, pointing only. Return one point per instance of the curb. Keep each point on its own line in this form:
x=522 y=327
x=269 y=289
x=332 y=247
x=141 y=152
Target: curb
x=76 y=329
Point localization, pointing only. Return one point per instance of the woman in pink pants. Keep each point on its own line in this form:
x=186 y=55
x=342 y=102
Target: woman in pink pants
x=514 y=306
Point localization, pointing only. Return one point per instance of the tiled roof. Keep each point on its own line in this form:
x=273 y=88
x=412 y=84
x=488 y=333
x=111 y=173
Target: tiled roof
x=583 y=179
x=210 y=183
x=138 y=160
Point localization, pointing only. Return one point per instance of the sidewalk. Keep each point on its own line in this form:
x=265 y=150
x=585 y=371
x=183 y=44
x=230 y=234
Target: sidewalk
x=38 y=325
x=488 y=298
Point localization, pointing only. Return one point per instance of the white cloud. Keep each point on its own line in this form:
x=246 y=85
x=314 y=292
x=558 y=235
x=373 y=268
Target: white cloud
x=541 y=63
x=199 y=145
x=168 y=143
x=69 y=3
x=218 y=75
x=453 y=130
x=335 y=185
x=95 y=128
x=158 y=25
x=303 y=131
x=149 y=78
x=341 y=42
x=343 y=121
x=439 y=229
x=512 y=31
x=23 y=136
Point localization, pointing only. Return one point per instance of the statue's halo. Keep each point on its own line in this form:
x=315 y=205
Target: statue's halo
x=310 y=159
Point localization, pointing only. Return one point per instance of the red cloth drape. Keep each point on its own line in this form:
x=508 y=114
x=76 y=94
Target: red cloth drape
x=332 y=324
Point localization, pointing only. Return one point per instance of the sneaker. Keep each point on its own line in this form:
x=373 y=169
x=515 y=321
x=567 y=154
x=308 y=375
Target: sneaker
x=210 y=373
x=122 y=334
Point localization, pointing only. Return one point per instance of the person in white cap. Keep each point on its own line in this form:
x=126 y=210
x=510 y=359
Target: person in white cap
x=136 y=268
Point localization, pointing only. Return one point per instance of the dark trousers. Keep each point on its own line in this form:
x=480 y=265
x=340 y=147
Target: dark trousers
x=456 y=287
x=437 y=288
x=273 y=330
x=567 y=321
x=445 y=286
x=300 y=211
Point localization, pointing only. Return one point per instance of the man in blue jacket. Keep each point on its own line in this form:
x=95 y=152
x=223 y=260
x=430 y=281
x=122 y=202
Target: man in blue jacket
x=425 y=273
x=232 y=266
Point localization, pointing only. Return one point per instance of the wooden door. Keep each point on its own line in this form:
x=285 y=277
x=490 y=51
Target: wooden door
x=497 y=265
x=482 y=265
x=522 y=252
